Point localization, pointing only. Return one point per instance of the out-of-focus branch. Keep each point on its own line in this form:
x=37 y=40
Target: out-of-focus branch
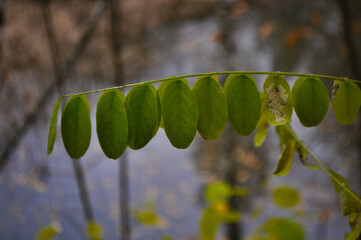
x=2 y=18
x=68 y=65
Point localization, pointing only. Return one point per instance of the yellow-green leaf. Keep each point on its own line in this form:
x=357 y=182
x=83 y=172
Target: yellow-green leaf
x=285 y=162
x=94 y=230
x=279 y=107
x=262 y=125
x=244 y=103
x=48 y=232
x=180 y=114
x=147 y=218
x=161 y=89
x=285 y=196
x=346 y=102
x=311 y=100
x=53 y=126
x=112 y=123
x=76 y=126
x=282 y=229
x=212 y=107
x=141 y=106
x=218 y=192
x=209 y=224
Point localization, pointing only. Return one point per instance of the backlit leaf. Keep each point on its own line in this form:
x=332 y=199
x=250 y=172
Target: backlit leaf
x=209 y=224
x=94 y=230
x=180 y=114
x=112 y=123
x=141 y=106
x=76 y=126
x=285 y=162
x=262 y=125
x=48 y=232
x=286 y=197
x=161 y=89
x=311 y=100
x=278 y=109
x=244 y=103
x=53 y=125
x=346 y=103
x=350 y=201
x=212 y=107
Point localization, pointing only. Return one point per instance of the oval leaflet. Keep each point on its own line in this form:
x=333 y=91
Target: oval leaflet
x=76 y=126
x=112 y=123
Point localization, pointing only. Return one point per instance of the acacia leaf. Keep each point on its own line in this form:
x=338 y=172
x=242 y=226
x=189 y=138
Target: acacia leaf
x=94 y=230
x=279 y=104
x=282 y=229
x=212 y=107
x=76 y=126
x=311 y=100
x=350 y=201
x=285 y=161
x=112 y=123
x=180 y=114
x=46 y=233
x=346 y=102
x=209 y=224
x=262 y=125
x=147 y=218
x=285 y=196
x=160 y=91
x=141 y=106
x=243 y=102
x=53 y=125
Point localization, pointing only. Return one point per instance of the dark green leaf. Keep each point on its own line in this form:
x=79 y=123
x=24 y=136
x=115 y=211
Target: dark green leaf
x=209 y=224
x=112 y=123
x=76 y=126
x=48 y=232
x=311 y=100
x=244 y=103
x=141 y=105
x=94 y=230
x=285 y=162
x=350 y=201
x=262 y=125
x=180 y=114
x=161 y=89
x=52 y=125
x=286 y=197
x=212 y=107
x=278 y=110
x=346 y=103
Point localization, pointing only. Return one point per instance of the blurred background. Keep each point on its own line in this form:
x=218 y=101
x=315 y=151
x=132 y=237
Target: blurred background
x=55 y=47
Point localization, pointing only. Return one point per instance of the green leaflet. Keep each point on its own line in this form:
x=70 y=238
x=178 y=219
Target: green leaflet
x=285 y=196
x=212 y=107
x=278 y=109
x=141 y=105
x=209 y=224
x=48 y=232
x=147 y=218
x=218 y=192
x=94 y=230
x=262 y=125
x=243 y=102
x=52 y=125
x=285 y=162
x=112 y=123
x=76 y=126
x=161 y=89
x=281 y=229
x=346 y=101
x=311 y=100
x=350 y=201
x=180 y=114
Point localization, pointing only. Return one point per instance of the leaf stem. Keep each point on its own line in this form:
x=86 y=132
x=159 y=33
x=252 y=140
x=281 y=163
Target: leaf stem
x=219 y=73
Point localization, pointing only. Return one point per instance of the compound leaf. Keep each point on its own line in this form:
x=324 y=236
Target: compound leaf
x=311 y=100
x=53 y=125
x=112 y=123
x=76 y=126
x=141 y=106
x=212 y=107
x=346 y=102
x=243 y=102
x=279 y=104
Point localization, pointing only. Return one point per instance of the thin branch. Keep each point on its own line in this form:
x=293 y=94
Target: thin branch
x=69 y=63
